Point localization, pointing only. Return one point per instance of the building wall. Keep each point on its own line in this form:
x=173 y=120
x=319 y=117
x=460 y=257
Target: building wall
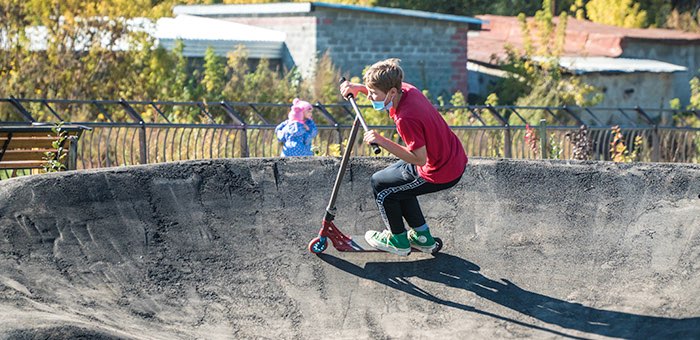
x=301 y=37
x=622 y=90
x=687 y=55
x=433 y=52
x=628 y=90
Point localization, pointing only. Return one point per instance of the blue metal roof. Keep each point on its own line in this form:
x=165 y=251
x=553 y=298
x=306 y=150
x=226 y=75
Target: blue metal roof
x=402 y=12
x=582 y=65
x=199 y=33
x=306 y=7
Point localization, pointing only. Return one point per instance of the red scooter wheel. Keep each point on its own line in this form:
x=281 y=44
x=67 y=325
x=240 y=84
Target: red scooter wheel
x=318 y=245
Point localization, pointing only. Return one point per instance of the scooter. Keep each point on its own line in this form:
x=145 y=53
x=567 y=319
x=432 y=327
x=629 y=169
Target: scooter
x=342 y=242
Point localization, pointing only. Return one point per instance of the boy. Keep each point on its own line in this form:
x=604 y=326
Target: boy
x=432 y=160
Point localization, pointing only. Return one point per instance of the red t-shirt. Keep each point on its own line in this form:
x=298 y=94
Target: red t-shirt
x=420 y=124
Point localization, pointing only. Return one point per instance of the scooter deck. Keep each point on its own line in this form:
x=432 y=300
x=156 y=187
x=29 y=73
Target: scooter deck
x=357 y=243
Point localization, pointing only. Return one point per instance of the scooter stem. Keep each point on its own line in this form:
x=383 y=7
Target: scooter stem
x=330 y=209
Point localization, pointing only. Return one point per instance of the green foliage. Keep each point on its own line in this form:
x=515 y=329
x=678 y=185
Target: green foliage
x=534 y=75
x=577 y=9
x=675 y=104
x=619 y=151
x=325 y=86
x=84 y=58
x=695 y=93
x=457 y=116
x=55 y=161
x=686 y=21
x=334 y=149
x=101 y=69
x=623 y=13
x=142 y=73
x=555 y=149
x=686 y=117
x=214 y=75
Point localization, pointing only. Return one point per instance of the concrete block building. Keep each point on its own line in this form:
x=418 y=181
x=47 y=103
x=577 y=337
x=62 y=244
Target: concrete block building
x=432 y=46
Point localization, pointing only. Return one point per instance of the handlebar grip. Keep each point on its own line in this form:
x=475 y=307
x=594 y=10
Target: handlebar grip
x=342 y=80
x=376 y=148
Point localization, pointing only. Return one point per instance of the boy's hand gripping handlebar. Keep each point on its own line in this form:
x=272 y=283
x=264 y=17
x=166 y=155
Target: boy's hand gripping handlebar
x=359 y=116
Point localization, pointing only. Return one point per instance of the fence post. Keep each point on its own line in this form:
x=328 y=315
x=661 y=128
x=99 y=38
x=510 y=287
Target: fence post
x=507 y=148
x=655 y=144
x=543 y=138
x=245 y=151
x=335 y=123
x=655 y=140
x=72 y=153
x=143 y=146
x=233 y=114
x=508 y=141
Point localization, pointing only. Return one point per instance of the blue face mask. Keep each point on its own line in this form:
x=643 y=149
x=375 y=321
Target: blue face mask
x=379 y=105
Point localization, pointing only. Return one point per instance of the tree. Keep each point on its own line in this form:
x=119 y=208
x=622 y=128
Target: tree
x=83 y=55
x=686 y=21
x=534 y=75
x=623 y=13
x=214 y=76
x=180 y=87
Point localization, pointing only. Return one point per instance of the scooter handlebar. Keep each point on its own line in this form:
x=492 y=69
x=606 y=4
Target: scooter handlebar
x=351 y=98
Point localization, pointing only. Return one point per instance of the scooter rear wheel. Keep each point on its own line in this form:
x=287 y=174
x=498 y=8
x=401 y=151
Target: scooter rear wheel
x=438 y=246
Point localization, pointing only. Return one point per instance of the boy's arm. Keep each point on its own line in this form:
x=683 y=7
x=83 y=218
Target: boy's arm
x=417 y=157
x=347 y=88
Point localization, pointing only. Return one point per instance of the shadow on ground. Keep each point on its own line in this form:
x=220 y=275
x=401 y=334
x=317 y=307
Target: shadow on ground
x=459 y=273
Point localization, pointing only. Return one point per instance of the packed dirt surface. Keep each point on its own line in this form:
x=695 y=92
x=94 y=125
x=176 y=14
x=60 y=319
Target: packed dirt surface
x=217 y=249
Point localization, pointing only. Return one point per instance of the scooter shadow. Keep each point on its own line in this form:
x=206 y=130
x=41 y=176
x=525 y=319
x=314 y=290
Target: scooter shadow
x=458 y=273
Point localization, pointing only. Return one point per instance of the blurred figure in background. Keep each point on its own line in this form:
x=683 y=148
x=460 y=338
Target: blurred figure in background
x=298 y=131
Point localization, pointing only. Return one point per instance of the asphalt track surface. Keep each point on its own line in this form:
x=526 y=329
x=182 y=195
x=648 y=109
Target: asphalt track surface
x=217 y=249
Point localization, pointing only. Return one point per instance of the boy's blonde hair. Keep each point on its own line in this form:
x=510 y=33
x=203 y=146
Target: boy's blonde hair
x=384 y=75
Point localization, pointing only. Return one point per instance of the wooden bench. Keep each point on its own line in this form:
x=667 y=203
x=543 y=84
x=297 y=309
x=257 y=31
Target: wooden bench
x=25 y=146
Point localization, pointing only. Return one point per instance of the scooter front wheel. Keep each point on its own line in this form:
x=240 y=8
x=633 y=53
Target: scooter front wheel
x=318 y=245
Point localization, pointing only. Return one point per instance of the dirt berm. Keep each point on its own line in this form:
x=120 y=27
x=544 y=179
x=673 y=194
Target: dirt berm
x=218 y=249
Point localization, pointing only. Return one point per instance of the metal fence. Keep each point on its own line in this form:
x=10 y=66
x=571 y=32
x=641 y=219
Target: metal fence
x=145 y=132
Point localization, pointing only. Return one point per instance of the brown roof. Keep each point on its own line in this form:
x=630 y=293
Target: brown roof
x=583 y=38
